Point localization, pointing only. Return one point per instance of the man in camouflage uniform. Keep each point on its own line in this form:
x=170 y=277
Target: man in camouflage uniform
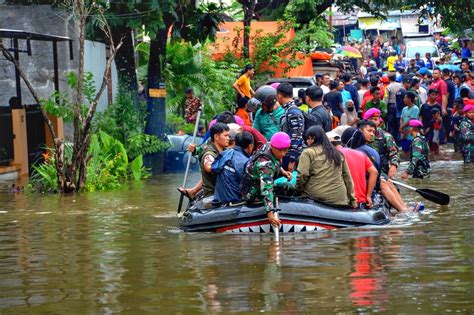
x=384 y=144
x=292 y=123
x=466 y=134
x=419 y=165
x=262 y=168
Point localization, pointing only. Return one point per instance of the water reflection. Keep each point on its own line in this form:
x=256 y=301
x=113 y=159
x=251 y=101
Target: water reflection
x=121 y=252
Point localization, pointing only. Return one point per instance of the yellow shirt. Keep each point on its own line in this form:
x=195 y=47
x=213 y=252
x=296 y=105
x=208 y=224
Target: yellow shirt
x=244 y=85
x=391 y=63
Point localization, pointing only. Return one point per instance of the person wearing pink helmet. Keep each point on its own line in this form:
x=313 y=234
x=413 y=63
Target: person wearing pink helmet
x=419 y=164
x=262 y=169
x=466 y=134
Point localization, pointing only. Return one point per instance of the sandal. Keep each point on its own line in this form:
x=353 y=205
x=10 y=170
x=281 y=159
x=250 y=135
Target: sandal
x=184 y=191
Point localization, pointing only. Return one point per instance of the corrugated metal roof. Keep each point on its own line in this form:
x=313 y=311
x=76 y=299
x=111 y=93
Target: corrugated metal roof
x=8 y=33
x=362 y=14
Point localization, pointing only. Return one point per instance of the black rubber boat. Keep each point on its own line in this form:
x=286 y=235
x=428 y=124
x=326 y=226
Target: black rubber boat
x=297 y=215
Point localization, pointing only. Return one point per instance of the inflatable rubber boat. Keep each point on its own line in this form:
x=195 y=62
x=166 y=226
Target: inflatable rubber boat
x=296 y=214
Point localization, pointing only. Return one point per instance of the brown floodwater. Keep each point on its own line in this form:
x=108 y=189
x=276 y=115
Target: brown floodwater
x=123 y=252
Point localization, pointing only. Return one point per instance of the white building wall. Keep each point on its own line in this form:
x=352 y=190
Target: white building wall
x=94 y=62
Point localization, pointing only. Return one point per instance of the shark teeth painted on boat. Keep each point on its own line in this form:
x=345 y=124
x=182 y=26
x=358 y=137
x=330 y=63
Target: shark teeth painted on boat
x=285 y=228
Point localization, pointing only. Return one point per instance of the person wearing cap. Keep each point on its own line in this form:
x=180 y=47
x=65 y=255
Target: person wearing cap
x=466 y=134
x=229 y=167
x=191 y=106
x=384 y=144
x=242 y=85
x=323 y=173
x=267 y=118
x=419 y=164
x=292 y=123
x=409 y=112
x=363 y=172
x=263 y=167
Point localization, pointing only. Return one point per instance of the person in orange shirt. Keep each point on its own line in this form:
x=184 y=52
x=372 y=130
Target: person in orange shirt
x=242 y=111
x=242 y=85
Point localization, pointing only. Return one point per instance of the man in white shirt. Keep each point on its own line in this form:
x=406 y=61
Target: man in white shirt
x=325 y=84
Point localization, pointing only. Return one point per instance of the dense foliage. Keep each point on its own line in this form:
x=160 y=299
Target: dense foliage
x=108 y=167
x=117 y=144
x=192 y=66
x=124 y=121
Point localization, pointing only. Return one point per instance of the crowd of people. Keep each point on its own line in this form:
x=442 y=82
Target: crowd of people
x=342 y=138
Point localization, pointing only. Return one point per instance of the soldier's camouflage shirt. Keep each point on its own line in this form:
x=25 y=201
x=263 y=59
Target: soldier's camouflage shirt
x=419 y=166
x=292 y=123
x=261 y=170
x=466 y=139
x=389 y=152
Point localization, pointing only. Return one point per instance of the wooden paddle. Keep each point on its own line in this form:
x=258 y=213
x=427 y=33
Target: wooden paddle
x=429 y=194
x=188 y=162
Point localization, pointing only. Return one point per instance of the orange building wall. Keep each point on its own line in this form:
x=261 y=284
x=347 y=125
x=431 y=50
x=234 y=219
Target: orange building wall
x=228 y=37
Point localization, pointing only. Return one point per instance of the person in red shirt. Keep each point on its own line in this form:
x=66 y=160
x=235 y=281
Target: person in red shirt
x=442 y=88
x=259 y=139
x=359 y=165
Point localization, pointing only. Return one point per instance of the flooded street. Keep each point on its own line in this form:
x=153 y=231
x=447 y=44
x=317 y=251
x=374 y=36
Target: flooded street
x=123 y=252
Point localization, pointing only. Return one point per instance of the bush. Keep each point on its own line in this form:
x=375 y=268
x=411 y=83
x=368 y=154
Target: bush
x=108 y=167
x=125 y=122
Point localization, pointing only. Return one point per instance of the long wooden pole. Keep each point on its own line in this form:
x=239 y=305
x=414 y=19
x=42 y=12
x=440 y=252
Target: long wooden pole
x=188 y=162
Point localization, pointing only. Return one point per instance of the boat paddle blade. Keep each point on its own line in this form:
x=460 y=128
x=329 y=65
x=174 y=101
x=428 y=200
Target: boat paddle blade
x=180 y=205
x=434 y=196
